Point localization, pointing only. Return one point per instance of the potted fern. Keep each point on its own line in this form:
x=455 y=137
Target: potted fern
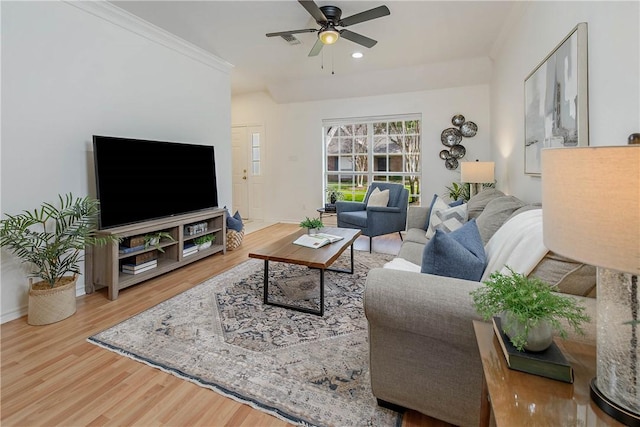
x=311 y=224
x=529 y=309
x=51 y=240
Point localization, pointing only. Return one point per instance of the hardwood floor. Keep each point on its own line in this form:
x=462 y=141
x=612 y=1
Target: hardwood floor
x=51 y=376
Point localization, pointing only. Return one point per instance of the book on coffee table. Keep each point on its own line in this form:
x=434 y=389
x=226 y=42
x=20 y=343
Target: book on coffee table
x=316 y=240
x=549 y=363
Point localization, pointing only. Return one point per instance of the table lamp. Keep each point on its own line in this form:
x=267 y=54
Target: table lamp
x=591 y=213
x=476 y=173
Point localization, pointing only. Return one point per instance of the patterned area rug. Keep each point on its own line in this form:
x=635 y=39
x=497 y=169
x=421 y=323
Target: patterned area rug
x=302 y=368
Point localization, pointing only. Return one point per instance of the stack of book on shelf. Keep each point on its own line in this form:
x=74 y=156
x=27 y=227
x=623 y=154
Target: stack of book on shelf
x=131 y=244
x=550 y=363
x=140 y=263
x=189 y=249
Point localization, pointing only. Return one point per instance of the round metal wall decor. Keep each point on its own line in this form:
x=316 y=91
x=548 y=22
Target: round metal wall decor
x=451 y=163
x=451 y=137
x=445 y=154
x=457 y=120
x=468 y=129
x=458 y=151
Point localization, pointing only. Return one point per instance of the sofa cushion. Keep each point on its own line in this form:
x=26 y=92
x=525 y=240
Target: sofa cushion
x=378 y=198
x=495 y=214
x=412 y=251
x=458 y=254
x=415 y=235
x=477 y=203
x=356 y=218
x=566 y=275
x=446 y=218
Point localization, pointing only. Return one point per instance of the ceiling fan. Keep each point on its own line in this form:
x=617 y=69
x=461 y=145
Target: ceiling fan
x=329 y=17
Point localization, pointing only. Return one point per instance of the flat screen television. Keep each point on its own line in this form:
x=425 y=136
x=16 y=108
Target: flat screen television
x=138 y=180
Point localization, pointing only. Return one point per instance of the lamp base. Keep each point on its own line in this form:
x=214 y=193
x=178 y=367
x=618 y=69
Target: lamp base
x=611 y=408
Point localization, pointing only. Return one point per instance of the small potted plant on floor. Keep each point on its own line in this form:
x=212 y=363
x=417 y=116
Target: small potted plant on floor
x=52 y=240
x=204 y=242
x=312 y=225
x=528 y=308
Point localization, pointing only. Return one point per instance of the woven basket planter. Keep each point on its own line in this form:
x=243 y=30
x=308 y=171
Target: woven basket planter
x=52 y=305
x=234 y=239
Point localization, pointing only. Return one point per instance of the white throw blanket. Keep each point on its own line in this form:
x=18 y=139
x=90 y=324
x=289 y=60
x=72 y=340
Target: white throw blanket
x=518 y=244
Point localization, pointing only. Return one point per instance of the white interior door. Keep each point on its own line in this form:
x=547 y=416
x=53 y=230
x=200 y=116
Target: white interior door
x=240 y=170
x=248 y=148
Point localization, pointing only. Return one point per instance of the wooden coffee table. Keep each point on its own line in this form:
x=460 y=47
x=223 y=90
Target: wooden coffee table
x=284 y=250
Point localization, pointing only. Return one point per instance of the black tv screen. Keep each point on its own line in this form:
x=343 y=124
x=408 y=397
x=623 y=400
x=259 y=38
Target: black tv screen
x=139 y=180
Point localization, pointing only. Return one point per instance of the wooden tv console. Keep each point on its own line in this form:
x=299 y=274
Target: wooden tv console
x=107 y=260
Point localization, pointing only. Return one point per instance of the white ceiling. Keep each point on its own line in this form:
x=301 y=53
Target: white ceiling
x=426 y=41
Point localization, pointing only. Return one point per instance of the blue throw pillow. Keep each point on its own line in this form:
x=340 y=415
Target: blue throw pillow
x=234 y=222
x=456 y=203
x=458 y=254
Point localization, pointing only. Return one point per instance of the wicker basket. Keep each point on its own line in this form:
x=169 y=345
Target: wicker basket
x=234 y=239
x=52 y=305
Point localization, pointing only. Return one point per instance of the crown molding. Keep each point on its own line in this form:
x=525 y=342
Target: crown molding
x=123 y=19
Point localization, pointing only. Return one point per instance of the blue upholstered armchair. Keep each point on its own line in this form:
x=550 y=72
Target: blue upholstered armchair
x=376 y=220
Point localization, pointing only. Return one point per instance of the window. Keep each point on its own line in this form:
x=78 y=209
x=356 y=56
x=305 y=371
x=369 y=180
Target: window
x=255 y=153
x=359 y=151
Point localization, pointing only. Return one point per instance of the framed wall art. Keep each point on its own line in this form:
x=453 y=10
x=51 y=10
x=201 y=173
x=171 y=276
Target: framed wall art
x=556 y=100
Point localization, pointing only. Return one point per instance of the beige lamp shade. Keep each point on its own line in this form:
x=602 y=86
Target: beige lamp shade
x=591 y=205
x=477 y=172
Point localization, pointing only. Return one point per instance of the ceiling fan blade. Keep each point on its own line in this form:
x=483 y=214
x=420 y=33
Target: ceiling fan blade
x=286 y=33
x=313 y=10
x=358 y=38
x=315 y=50
x=367 y=15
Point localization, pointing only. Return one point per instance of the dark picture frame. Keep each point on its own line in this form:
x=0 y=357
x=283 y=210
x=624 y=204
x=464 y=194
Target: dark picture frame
x=556 y=100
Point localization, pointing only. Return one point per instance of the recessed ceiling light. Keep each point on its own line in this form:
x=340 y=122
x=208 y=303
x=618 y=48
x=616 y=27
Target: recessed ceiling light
x=357 y=55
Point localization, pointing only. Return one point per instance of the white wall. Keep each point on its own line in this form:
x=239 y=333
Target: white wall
x=293 y=169
x=614 y=79
x=68 y=74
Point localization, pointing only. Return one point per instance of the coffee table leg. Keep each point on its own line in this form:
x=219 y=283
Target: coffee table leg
x=338 y=270
x=266 y=281
x=319 y=312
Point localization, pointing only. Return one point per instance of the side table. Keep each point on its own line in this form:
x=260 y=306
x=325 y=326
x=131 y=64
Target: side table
x=517 y=398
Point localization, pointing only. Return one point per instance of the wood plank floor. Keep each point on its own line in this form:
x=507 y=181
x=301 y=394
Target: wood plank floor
x=50 y=375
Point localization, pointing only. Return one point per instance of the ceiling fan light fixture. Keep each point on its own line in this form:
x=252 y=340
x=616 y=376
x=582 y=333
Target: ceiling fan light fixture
x=329 y=36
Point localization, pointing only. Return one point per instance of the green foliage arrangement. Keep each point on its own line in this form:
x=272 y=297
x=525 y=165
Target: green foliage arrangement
x=52 y=238
x=154 y=239
x=204 y=239
x=530 y=301
x=459 y=191
x=311 y=223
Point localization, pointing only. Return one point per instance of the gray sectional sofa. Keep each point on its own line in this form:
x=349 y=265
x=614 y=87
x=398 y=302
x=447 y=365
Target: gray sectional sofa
x=423 y=350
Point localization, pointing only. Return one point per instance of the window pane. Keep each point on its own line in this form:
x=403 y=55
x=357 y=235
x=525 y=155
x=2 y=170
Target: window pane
x=332 y=163
x=380 y=163
x=361 y=163
x=380 y=128
x=360 y=145
x=255 y=154
x=256 y=168
x=255 y=139
x=360 y=129
x=332 y=146
x=346 y=145
x=380 y=144
x=346 y=163
x=395 y=146
x=395 y=164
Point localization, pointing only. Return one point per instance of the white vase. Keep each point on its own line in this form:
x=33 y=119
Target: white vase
x=539 y=337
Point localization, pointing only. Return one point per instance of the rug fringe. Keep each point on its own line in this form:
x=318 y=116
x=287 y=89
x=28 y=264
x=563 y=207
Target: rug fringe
x=219 y=390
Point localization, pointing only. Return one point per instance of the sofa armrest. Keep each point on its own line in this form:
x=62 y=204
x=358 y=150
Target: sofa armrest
x=342 y=206
x=423 y=304
x=417 y=216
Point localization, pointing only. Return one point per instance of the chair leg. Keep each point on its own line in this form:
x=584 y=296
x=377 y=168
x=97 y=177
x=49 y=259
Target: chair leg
x=370 y=243
x=400 y=233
